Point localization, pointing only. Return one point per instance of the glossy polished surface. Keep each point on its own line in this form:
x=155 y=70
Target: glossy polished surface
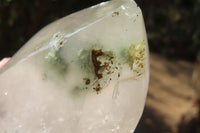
x=85 y=73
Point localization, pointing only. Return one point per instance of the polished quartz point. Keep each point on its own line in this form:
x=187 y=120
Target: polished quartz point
x=84 y=73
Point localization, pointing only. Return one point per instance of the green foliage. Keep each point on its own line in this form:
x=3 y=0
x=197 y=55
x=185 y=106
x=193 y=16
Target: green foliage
x=173 y=27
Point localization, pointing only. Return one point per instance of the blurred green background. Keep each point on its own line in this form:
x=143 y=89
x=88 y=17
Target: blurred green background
x=173 y=26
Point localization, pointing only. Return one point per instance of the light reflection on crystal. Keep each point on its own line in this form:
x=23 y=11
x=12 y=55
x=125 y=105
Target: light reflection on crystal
x=6 y=93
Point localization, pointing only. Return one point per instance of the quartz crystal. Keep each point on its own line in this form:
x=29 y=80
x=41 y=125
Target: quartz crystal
x=84 y=73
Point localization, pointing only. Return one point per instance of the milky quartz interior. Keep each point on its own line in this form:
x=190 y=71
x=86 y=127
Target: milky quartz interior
x=85 y=73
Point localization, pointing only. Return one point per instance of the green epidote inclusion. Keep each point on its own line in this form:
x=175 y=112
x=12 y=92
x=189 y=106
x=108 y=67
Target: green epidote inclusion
x=54 y=57
x=99 y=66
x=134 y=56
x=77 y=92
x=137 y=58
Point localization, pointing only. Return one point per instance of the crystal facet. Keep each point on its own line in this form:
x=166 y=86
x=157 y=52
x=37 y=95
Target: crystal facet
x=84 y=73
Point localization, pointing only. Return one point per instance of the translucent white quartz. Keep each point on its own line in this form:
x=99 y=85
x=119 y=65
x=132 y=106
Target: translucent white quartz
x=85 y=73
